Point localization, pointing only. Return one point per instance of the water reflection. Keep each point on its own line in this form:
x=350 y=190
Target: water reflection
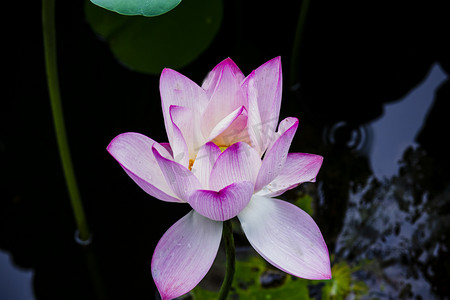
x=354 y=138
x=400 y=227
x=395 y=200
x=401 y=123
x=15 y=283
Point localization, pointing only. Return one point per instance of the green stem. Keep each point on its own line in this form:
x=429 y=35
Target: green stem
x=231 y=256
x=48 y=27
x=297 y=40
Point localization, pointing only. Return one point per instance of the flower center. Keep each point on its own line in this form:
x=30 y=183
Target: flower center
x=191 y=161
x=222 y=148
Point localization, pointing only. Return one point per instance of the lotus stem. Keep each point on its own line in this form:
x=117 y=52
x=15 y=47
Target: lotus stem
x=49 y=35
x=231 y=257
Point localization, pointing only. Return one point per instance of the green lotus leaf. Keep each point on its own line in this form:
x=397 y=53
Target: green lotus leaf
x=148 y=8
x=150 y=44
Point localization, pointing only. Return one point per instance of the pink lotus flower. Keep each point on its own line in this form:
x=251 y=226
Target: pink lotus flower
x=217 y=135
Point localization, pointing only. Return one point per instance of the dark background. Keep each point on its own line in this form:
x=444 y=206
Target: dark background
x=353 y=59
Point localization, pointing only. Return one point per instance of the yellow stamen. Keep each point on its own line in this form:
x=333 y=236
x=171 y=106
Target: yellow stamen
x=191 y=161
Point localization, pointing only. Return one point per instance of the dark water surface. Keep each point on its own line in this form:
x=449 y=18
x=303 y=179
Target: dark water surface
x=372 y=97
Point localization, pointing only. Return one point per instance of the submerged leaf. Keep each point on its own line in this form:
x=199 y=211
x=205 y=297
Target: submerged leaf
x=148 y=45
x=148 y=8
x=342 y=285
x=253 y=280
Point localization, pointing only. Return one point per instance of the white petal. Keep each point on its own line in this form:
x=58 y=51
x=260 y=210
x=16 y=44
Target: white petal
x=180 y=179
x=225 y=123
x=206 y=157
x=177 y=89
x=255 y=127
x=185 y=254
x=264 y=88
x=287 y=237
x=187 y=122
x=276 y=154
x=228 y=96
x=237 y=163
x=298 y=168
x=178 y=143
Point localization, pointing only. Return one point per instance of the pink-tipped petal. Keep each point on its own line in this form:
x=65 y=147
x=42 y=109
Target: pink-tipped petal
x=168 y=148
x=187 y=123
x=226 y=98
x=180 y=179
x=269 y=81
x=184 y=254
x=287 y=237
x=213 y=77
x=134 y=153
x=224 y=204
x=237 y=163
x=299 y=168
x=206 y=157
x=218 y=128
x=276 y=154
x=177 y=89
x=265 y=82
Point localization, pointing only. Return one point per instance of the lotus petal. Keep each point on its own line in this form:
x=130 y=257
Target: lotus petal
x=206 y=157
x=179 y=144
x=276 y=154
x=177 y=89
x=187 y=137
x=226 y=98
x=298 y=168
x=225 y=125
x=255 y=129
x=264 y=89
x=237 y=163
x=212 y=79
x=224 y=204
x=269 y=81
x=180 y=179
x=287 y=237
x=235 y=132
x=167 y=147
x=133 y=151
x=184 y=254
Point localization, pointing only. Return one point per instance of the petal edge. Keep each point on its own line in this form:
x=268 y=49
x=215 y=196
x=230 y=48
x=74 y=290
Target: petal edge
x=224 y=204
x=133 y=151
x=298 y=168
